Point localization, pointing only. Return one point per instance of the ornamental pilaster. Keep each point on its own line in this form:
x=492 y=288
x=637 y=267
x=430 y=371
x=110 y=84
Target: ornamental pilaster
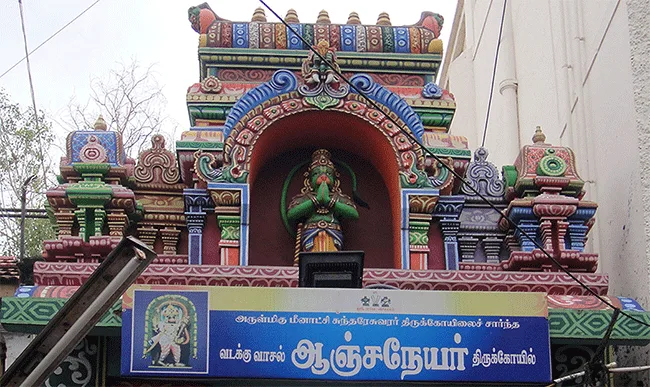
x=197 y=201
x=447 y=211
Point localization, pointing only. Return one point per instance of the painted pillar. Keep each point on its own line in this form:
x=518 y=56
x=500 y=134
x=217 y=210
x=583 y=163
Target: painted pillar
x=419 y=243
x=229 y=243
x=231 y=207
x=448 y=212
x=196 y=202
x=417 y=207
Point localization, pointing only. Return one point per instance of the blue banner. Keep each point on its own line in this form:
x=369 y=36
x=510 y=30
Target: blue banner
x=176 y=334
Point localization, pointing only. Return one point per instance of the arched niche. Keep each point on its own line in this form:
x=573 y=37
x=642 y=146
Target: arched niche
x=366 y=148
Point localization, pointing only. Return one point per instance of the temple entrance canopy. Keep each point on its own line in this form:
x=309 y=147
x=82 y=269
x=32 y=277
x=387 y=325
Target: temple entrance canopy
x=317 y=109
x=289 y=121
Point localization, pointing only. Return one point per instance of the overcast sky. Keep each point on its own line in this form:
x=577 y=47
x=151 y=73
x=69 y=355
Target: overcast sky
x=153 y=32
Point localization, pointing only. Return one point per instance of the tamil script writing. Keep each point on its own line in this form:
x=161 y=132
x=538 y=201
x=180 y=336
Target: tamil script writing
x=348 y=360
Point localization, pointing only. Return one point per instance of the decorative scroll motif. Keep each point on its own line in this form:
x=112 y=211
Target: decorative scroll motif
x=484 y=177
x=432 y=91
x=422 y=204
x=364 y=83
x=439 y=176
x=53 y=273
x=322 y=87
x=76 y=370
x=249 y=75
x=226 y=198
x=568 y=359
x=157 y=165
x=391 y=79
x=282 y=82
x=266 y=104
x=211 y=84
x=583 y=302
x=208 y=167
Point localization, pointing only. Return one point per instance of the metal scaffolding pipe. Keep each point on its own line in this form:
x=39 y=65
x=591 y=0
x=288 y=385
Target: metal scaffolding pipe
x=80 y=327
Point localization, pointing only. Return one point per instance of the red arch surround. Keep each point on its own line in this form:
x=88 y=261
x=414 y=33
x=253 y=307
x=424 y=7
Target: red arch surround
x=329 y=129
x=238 y=147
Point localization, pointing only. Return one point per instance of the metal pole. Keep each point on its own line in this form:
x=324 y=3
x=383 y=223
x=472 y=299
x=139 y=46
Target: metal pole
x=44 y=367
x=23 y=213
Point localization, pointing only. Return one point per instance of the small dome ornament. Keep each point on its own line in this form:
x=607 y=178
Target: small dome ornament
x=323 y=18
x=292 y=16
x=539 y=137
x=100 y=124
x=353 y=18
x=259 y=15
x=383 y=19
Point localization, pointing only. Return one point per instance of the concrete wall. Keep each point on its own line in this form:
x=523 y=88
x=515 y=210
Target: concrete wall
x=574 y=77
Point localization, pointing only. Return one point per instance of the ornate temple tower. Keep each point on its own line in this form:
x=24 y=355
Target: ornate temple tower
x=283 y=155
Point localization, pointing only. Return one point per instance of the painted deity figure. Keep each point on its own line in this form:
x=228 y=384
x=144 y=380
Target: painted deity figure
x=171 y=332
x=321 y=206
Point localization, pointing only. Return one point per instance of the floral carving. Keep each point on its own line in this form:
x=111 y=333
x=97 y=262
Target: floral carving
x=211 y=84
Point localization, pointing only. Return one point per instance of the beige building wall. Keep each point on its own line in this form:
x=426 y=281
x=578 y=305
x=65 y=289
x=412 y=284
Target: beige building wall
x=566 y=65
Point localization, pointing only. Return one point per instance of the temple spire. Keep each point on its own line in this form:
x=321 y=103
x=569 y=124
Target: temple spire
x=100 y=124
x=539 y=137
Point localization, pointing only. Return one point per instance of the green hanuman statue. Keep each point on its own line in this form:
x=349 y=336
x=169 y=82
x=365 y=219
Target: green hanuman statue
x=321 y=206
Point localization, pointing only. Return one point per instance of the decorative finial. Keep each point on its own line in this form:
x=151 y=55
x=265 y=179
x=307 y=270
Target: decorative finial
x=323 y=18
x=353 y=18
x=539 y=137
x=383 y=19
x=292 y=16
x=100 y=124
x=259 y=15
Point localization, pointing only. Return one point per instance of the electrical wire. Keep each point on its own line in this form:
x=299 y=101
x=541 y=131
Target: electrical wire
x=29 y=68
x=494 y=73
x=453 y=172
x=48 y=39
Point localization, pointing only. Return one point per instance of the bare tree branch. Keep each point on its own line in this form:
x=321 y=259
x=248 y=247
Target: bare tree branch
x=131 y=101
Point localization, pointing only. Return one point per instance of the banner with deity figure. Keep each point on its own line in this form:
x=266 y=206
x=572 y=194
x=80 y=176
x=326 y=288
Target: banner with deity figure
x=335 y=334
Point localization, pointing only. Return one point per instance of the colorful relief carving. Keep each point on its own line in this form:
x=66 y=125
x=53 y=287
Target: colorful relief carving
x=157 y=165
x=322 y=85
x=420 y=38
x=271 y=101
x=544 y=193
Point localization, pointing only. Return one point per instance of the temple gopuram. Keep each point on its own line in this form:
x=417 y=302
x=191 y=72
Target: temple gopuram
x=283 y=157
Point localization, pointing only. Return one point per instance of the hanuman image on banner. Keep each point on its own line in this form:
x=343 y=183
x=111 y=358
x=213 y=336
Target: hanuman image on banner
x=170 y=332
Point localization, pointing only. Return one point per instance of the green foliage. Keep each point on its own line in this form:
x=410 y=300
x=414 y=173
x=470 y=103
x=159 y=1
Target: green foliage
x=25 y=142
